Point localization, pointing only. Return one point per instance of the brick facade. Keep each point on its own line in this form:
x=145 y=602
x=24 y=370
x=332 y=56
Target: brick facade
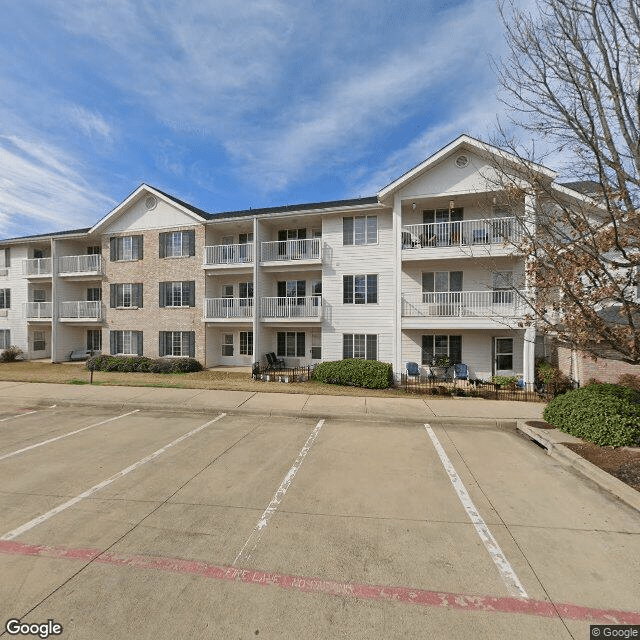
x=582 y=367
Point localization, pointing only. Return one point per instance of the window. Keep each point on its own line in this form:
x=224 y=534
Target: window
x=177 y=344
x=126 y=343
x=177 y=294
x=504 y=354
x=360 y=289
x=39 y=342
x=291 y=343
x=39 y=295
x=502 y=287
x=442 y=288
x=227 y=344
x=438 y=346
x=38 y=254
x=316 y=345
x=94 y=340
x=5 y=258
x=360 y=230
x=178 y=244
x=246 y=343
x=360 y=345
x=292 y=289
x=245 y=292
x=5 y=338
x=126 y=248
x=94 y=294
x=124 y=295
x=94 y=251
x=5 y=298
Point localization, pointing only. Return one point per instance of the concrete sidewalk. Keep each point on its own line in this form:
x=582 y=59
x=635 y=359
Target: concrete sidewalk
x=427 y=409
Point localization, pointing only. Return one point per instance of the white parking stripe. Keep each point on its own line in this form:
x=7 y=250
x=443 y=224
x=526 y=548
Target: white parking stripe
x=64 y=435
x=506 y=570
x=19 y=415
x=10 y=535
x=252 y=541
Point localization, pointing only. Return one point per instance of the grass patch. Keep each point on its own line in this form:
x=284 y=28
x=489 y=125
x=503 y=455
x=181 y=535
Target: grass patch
x=77 y=381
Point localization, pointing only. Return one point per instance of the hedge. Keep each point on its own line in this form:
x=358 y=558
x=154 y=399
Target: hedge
x=140 y=364
x=355 y=372
x=605 y=414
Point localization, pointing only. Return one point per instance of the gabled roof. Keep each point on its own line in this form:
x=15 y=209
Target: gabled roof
x=461 y=142
x=46 y=236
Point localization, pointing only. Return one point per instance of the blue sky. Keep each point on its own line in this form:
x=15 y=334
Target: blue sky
x=229 y=105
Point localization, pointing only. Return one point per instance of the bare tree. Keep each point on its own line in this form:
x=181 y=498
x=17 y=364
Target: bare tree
x=571 y=78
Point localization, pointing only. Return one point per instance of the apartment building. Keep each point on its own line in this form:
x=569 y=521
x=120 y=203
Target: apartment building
x=423 y=269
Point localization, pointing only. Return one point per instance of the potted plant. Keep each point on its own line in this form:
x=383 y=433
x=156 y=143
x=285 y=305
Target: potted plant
x=440 y=365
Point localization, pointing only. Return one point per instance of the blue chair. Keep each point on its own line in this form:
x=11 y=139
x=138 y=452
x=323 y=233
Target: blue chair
x=521 y=383
x=460 y=371
x=413 y=370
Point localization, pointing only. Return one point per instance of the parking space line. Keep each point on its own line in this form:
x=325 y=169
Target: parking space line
x=19 y=415
x=252 y=541
x=464 y=602
x=14 y=533
x=64 y=435
x=506 y=570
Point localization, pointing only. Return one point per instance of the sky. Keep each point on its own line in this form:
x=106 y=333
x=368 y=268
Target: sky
x=230 y=105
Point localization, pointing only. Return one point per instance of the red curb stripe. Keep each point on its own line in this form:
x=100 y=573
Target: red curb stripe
x=406 y=595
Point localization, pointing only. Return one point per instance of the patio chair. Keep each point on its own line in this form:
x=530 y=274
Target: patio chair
x=413 y=370
x=460 y=371
x=274 y=362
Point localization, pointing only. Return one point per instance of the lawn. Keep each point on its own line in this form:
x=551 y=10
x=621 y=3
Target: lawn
x=76 y=373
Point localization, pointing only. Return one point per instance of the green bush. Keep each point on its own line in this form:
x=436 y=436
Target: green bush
x=605 y=414
x=140 y=364
x=554 y=380
x=504 y=381
x=359 y=373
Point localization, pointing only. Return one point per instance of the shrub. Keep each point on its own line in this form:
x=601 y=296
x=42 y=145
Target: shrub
x=140 y=364
x=11 y=354
x=605 y=414
x=554 y=380
x=360 y=373
x=504 y=381
x=629 y=380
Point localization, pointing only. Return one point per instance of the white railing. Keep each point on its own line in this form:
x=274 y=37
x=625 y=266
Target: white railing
x=80 y=264
x=294 y=307
x=463 y=304
x=38 y=310
x=37 y=267
x=215 y=308
x=228 y=254
x=290 y=250
x=81 y=309
x=464 y=233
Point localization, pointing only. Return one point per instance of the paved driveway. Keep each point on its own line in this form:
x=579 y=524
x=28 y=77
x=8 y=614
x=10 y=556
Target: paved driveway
x=143 y=524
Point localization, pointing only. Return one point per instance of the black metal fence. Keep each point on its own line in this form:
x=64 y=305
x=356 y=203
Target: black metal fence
x=263 y=372
x=475 y=389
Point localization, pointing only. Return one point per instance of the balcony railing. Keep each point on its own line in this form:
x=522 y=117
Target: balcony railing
x=80 y=264
x=38 y=310
x=294 y=307
x=464 y=304
x=290 y=250
x=90 y=309
x=463 y=233
x=228 y=254
x=37 y=267
x=219 y=308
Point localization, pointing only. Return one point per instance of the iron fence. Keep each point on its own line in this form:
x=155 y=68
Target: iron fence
x=263 y=372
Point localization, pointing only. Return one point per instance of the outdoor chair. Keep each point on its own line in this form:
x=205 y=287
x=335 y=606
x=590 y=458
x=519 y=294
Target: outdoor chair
x=460 y=371
x=413 y=370
x=274 y=362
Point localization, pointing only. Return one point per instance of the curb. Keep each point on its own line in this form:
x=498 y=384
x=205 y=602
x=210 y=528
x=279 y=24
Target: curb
x=571 y=459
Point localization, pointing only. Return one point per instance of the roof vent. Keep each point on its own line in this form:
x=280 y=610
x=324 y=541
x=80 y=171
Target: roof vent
x=462 y=161
x=150 y=202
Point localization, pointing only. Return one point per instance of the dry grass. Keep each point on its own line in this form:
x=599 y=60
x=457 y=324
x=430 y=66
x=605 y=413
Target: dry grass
x=76 y=373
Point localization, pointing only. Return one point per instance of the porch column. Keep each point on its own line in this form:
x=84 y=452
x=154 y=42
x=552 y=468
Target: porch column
x=53 y=338
x=257 y=291
x=528 y=355
x=397 y=284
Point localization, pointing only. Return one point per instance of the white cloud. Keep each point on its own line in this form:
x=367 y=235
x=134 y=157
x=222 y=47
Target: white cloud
x=89 y=122
x=40 y=184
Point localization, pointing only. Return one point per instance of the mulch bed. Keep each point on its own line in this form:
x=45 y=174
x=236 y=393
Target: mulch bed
x=622 y=463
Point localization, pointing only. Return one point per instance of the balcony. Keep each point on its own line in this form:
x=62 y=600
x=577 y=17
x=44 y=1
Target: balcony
x=220 y=255
x=83 y=310
x=37 y=268
x=475 y=309
x=495 y=236
x=306 y=308
x=87 y=265
x=38 y=310
x=222 y=309
x=291 y=250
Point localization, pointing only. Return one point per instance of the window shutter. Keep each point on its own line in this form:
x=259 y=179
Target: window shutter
x=137 y=295
x=138 y=335
x=300 y=344
x=161 y=294
x=347 y=289
x=112 y=296
x=137 y=247
x=112 y=342
x=162 y=245
x=161 y=344
x=113 y=249
x=372 y=289
x=192 y=344
x=347 y=231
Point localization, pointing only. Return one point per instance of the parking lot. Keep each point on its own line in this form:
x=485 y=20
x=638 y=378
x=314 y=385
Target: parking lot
x=158 y=524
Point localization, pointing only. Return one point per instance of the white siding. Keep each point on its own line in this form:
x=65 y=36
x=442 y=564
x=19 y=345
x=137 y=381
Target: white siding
x=137 y=218
x=15 y=320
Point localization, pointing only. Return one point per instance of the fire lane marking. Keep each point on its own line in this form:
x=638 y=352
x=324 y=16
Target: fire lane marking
x=252 y=541
x=464 y=602
x=506 y=570
x=14 y=533
x=64 y=435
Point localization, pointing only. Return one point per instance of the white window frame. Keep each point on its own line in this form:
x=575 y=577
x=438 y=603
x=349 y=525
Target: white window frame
x=246 y=343
x=226 y=343
x=39 y=337
x=5 y=338
x=360 y=285
x=3 y=299
x=92 y=341
x=504 y=353
x=360 y=346
x=39 y=295
x=360 y=233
